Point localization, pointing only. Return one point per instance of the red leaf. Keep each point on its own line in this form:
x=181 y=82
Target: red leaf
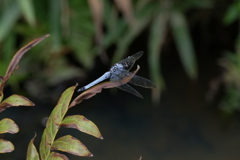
x=16 y=58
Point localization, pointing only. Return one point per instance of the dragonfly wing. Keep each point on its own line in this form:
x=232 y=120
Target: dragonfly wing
x=128 y=88
x=128 y=62
x=132 y=58
x=136 y=56
x=142 y=82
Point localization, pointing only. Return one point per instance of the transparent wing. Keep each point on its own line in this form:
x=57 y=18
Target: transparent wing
x=129 y=61
x=127 y=88
x=142 y=82
x=132 y=58
x=137 y=55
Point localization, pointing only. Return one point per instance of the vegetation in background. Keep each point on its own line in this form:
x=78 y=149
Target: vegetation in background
x=82 y=30
x=231 y=63
x=78 y=34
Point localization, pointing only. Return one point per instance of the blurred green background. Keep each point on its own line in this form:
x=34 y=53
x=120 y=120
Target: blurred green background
x=192 y=53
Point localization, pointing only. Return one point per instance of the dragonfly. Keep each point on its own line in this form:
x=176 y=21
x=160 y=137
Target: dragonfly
x=121 y=70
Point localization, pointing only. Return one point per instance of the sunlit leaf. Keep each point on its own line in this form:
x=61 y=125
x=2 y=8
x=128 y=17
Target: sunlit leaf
x=15 y=100
x=71 y=145
x=6 y=146
x=98 y=88
x=82 y=124
x=8 y=126
x=27 y=9
x=32 y=153
x=57 y=156
x=54 y=121
x=184 y=43
x=8 y=20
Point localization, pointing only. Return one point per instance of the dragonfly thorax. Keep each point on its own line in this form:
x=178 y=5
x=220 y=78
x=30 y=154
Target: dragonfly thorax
x=118 y=71
x=117 y=67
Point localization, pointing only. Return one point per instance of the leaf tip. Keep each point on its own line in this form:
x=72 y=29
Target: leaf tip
x=90 y=155
x=47 y=35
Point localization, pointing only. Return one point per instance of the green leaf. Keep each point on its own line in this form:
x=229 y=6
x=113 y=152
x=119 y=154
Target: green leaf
x=32 y=153
x=57 y=156
x=114 y=34
x=8 y=126
x=124 y=42
x=84 y=51
x=71 y=145
x=110 y=17
x=157 y=36
x=62 y=73
x=15 y=100
x=28 y=11
x=233 y=13
x=184 y=43
x=116 y=27
x=82 y=124
x=54 y=121
x=6 y=146
x=158 y=32
x=18 y=100
x=54 y=21
x=8 y=49
x=8 y=20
